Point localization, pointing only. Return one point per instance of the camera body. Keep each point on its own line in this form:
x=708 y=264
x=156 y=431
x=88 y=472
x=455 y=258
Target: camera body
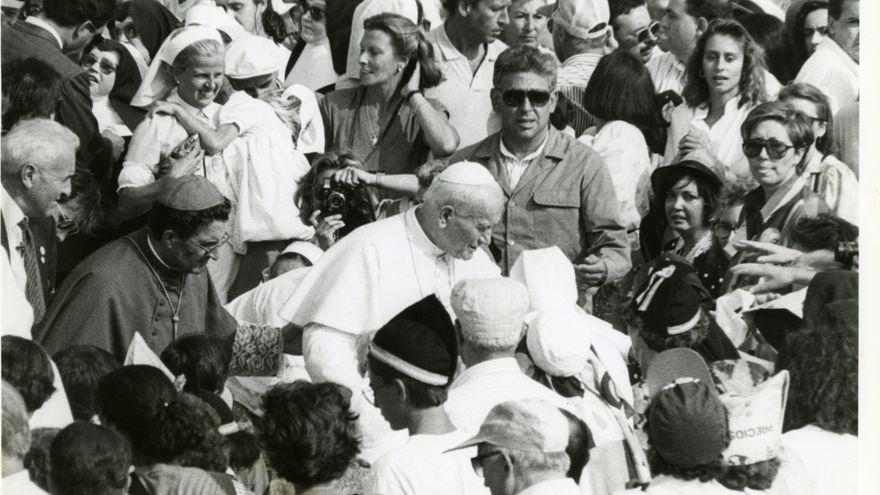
x=336 y=198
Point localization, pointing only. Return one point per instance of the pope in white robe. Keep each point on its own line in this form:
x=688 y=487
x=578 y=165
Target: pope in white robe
x=380 y=269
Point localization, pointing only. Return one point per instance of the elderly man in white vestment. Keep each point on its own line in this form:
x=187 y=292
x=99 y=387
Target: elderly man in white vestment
x=380 y=269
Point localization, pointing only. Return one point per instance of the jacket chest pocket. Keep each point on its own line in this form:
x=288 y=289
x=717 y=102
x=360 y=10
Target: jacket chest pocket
x=556 y=218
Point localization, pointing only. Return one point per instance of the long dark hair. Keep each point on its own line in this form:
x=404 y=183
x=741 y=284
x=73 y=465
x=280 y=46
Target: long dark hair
x=751 y=83
x=795 y=33
x=621 y=89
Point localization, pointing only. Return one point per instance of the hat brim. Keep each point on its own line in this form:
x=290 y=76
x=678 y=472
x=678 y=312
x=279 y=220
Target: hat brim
x=471 y=442
x=673 y=364
x=685 y=167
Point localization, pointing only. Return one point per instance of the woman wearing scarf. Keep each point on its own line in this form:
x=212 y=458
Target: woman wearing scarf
x=113 y=80
x=142 y=26
x=311 y=63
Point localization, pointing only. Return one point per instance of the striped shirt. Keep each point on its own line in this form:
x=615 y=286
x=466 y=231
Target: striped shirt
x=572 y=81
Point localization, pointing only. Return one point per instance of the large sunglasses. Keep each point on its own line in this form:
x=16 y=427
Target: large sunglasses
x=516 y=97
x=316 y=13
x=651 y=31
x=775 y=149
x=105 y=66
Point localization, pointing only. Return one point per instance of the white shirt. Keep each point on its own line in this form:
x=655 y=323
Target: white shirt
x=624 y=149
x=667 y=485
x=465 y=93
x=311 y=133
x=12 y=215
x=17 y=321
x=369 y=8
x=515 y=166
x=560 y=486
x=154 y=139
x=827 y=461
x=20 y=484
x=725 y=140
x=421 y=466
x=837 y=185
x=36 y=21
x=668 y=73
x=484 y=385
x=108 y=118
x=831 y=70
x=314 y=67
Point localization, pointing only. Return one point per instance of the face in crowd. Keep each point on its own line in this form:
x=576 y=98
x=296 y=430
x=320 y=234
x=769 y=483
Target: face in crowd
x=684 y=206
x=314 y=21
x=485 y=19
x=379 y=61
x=524 y=101
x=679 y=30
x=845 y=30
x=247 y=13
x=771 y=154
x=526 y=25
x=101 y=68
x=636 y=33
x=722 y=65
x=191 y=254
x=200 y=81
x=815 y=29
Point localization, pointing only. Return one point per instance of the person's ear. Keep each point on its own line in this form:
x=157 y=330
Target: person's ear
x=495 y=97
x=464 y=7
x=554 y=99
x=446 y=213
x=823 y=129
x=169 y=236
x=399 y=390
x=29 y=174
x=86 y=29
x=702 y=25
x=799 y=154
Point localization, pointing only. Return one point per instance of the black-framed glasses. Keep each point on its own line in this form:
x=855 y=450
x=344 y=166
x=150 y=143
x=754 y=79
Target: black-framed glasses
x=316 y=13
x=105 y=66
x=651 y=31
x=477 y=461
x=775 y=149
x=517 y=97
x=211 y=249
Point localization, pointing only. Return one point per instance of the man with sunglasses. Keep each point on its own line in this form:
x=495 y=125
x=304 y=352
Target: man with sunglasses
x=558 y=192
x=154 y=282
x=634 y=30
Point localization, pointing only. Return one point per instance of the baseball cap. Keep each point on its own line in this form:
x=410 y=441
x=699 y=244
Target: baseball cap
x=585 y=19
x=490 y=308
x=558 y=341
x=528 y=425
x=190 y=193
x=687 y=423
x=673 y=364
x=669 y=299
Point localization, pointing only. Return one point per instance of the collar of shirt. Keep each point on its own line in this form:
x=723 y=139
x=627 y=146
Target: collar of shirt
x=12 y=214
x=492 y=366
x=208 y=112
x=560 y=486
x=36 y=21
x=509 y=156
x=730 y=108
x=418 y=237
x=448 y=51
x=782 y=196
x=831 y=46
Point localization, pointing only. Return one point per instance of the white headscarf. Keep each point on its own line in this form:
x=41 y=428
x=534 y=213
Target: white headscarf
x=157 y=82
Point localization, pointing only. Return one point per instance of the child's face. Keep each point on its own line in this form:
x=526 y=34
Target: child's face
x=258 y=87
x=726 y=223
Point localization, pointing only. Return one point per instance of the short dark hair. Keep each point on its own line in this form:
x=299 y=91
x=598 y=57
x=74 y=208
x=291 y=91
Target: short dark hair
x=824 y=231
x=80 y=367
x=703 y=472
x=795 y=29
x=202 y=359
x=308 y=431
x=27 y=367
x=835 y=8
x=709 y=9
x=756 y=476
x=621 y=89
x=814 y=95
x=419 y=395
x=36 y=461
x=798 y=126
x=32 y=89
x=451 y=6
x=706 y=190
x=623 y=7
x=69 y=13
x=524 y=58
x=185 y=223
x=89 y=459
x=580 y=442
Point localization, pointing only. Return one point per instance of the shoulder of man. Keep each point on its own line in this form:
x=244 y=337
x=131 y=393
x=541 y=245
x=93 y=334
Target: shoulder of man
x=22 y=40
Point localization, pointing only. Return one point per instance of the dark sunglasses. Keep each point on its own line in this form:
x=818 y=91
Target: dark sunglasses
x=477 y=461
x=88 y=61
x=651 y=31
x=316 y=13
x=517 y=97
x=775 y=149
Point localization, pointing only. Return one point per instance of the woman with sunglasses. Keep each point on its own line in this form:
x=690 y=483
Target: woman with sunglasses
x=113 y=80
x=386 y=121
x=311 y=62
x=776 y=139
x=725 y=79
x=827 y=176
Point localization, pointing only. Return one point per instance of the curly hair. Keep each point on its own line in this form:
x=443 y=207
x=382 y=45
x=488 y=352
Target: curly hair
x=524 y=58
x=308 y=192
x=202 y=359
x=36 y=461
x=185 y=223
x=80 y=367
x=32 y=88
x=27 y=367
x=756 y=476
x=823 y=363
x=703 y=472
x=822 y=232
x=751 y=83
x=308 y=431
x=419 y=395
x=89 y=459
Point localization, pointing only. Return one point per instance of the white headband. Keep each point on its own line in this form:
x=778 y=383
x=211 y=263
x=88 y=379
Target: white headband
x=408 y=369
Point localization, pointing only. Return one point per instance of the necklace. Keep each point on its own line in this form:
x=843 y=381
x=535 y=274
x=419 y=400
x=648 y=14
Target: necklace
x=175 y=312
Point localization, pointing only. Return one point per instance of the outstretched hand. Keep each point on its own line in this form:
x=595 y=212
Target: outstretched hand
x=766 y=252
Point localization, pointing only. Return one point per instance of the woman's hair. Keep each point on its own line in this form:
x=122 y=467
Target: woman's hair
x=824 y=231
x=244 y=450
x=305 y=193
x=808 y=92
x=31 y=89
x=621 y=89
x=795 y=30
x=202 y=359
x=409 y=43
x=703 y=472
x=768 y=31
x=823 y=363
x=26 y=366
x=89 y=459
x=798 y=126
x=751 y=83
x=201 y=48
x=273 y=23
x=185 y=223
x=419 y=395
x=755 y=476
x=308 y=431
x=81 y=367
x=580 y=441
x=707 y=191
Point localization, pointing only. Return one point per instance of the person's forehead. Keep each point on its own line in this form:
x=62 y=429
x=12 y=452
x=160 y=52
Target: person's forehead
x=635 y=19
x=530 y=6
x=494 y=4
x=207 y=63
x=678 y=6
x=723 y=44
x=211 y=232
x=770 y=128
x=849 y=9
x=525 y=80
x=376 y=37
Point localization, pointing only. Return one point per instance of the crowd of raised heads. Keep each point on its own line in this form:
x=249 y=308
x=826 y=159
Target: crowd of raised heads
x=430 y=247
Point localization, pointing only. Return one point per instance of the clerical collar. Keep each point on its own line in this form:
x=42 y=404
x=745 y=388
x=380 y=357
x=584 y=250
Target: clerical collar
x=418 y=237
x=158 y=258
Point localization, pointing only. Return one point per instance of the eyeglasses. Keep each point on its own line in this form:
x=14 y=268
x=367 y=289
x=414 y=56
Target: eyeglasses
x=723 y=229
x=516 y=97
x=105 y=66
x=651 y=31
x=775 y=149
x=477 y=461
x=210 y=250
x=316 y=13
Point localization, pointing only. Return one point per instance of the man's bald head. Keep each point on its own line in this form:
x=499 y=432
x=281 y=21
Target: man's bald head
x=461 y=206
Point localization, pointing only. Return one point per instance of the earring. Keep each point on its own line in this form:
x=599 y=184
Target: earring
x=702 y=75
x=399 y=68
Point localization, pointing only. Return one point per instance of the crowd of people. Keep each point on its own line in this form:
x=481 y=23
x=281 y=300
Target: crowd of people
x=392 y=247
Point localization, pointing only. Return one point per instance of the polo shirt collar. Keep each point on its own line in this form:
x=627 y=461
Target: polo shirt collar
x=531 y=156
x=702 y=111
x=36 y=21
x=448 y=51
x=782 y=196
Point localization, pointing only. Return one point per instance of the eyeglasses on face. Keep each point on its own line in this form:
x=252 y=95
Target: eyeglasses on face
x=212 y=248
x=316 y=13
x=516 y=97
x=478 y=461
x=105 y=66
x=775 y=149
x=651 y=31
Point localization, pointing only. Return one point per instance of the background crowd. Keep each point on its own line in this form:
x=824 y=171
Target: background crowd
x=430 y=247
